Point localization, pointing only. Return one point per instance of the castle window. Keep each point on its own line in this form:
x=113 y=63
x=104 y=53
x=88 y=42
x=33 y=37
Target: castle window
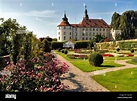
x=83 y=38
x=59 y=33
x=93 y=29
x=59 y=38
x=83 y=34
x=86 y=34
x=64 y=37
x=90 y=34
x=64 y=33
x=86 y=38
x=70 y=33
x=69 y=37
x=64 y=27
x=96 y=29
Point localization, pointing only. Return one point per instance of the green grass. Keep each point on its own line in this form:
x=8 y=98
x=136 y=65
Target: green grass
x=86 y=67
x=131 y=62
x=122 y=80
x=117 y=58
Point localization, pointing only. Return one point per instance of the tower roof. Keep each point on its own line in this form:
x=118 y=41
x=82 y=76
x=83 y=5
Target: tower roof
x=86 y=13
x=64 y=21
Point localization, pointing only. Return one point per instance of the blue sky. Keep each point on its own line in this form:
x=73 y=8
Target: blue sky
x=43 y=16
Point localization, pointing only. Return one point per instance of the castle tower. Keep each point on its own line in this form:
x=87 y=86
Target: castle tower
x=64 y=29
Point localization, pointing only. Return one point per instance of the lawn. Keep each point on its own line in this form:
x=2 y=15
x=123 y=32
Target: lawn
x=83 y=64
x=131 y=62
x=122 y=80
x=117 y=58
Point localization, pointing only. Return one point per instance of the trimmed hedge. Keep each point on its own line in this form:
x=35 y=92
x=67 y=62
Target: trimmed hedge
x=95 y=59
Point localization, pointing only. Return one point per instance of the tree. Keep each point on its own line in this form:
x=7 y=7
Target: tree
x=126 y=23
x=99 y=38
x=115 y=21
x=46 y=46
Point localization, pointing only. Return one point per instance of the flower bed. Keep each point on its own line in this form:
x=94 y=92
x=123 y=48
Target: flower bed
x=129 y=55
x=35 y=75
x=108 y=55
x=77 y=56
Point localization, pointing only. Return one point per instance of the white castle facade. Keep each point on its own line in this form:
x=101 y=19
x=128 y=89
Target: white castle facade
x=85 y=30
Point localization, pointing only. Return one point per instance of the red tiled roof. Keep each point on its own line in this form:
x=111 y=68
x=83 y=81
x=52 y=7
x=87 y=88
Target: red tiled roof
x=94 y=23
x=64 y=23
x=99 y=23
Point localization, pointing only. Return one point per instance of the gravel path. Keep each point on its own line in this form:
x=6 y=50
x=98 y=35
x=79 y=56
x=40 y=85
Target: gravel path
x=79 y=81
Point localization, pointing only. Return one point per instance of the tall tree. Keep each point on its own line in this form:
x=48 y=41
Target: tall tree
x=126 y=23
x=115 y=21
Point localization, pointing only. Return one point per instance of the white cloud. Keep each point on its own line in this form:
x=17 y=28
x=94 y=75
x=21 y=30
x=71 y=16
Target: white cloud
x=44 y=13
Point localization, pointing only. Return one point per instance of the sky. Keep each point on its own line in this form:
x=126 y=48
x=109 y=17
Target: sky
x=43 y=16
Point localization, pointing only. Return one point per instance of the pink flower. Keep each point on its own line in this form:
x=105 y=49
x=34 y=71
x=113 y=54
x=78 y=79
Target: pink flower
x=41 y=88
x=46 y=79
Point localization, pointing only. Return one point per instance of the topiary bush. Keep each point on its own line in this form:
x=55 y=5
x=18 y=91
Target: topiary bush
x=65 y=52
x=95 y=59
x=118 y=49
x=132 y=50
x=62 y=51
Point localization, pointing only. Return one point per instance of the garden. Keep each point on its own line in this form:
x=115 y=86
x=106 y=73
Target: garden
x=113 y=81
x=27 y=63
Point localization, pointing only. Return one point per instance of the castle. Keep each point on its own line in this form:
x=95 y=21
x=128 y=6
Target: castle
x=85 y=30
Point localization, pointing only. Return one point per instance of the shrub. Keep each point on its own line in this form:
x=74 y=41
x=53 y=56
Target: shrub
x=46 y=46
x=95 y=59
x=132 y=50
x=118 y=49
x=134 y=60
x=56 y=45
x=40 y=76
x=65 y=52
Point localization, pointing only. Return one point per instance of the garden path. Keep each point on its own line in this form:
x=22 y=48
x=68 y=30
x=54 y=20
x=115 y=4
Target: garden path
x=79 y=81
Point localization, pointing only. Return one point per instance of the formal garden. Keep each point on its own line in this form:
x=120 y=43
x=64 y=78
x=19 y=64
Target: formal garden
x=87 y=60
